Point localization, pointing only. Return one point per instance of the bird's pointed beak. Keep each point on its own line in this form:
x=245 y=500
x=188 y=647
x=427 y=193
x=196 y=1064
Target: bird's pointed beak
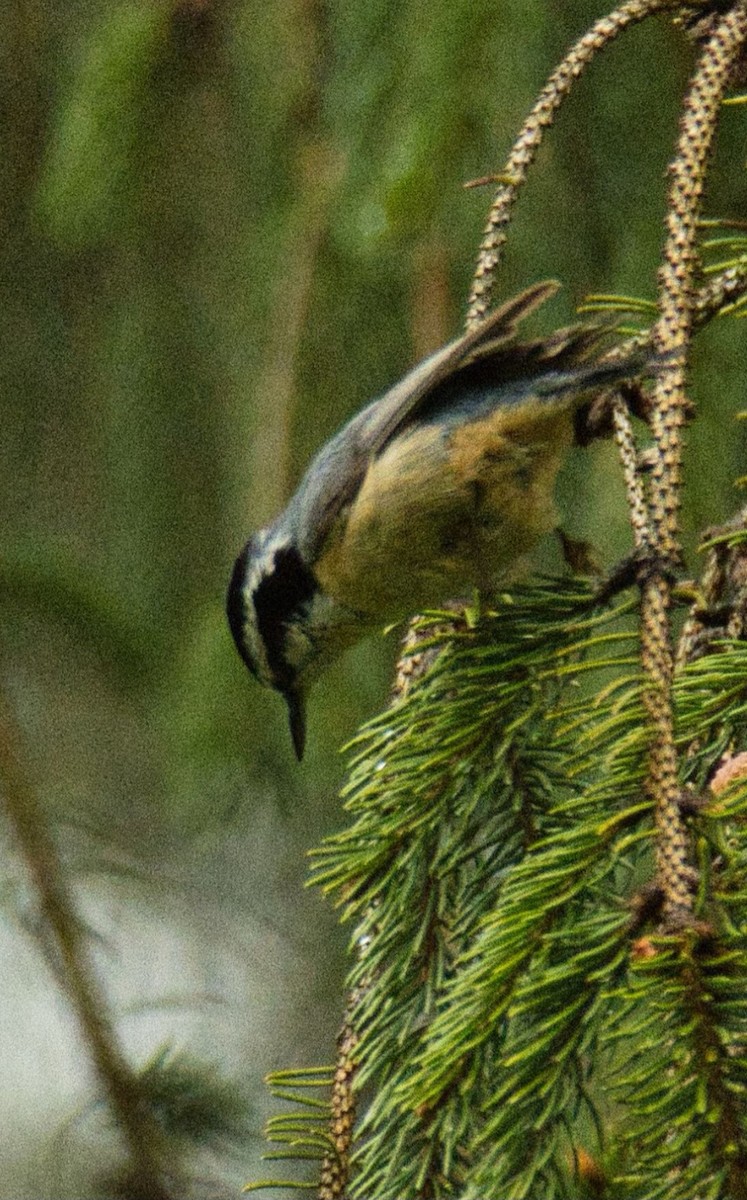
x=296 y=702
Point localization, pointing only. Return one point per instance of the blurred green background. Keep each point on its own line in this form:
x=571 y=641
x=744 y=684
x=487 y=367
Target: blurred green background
x=225 y=226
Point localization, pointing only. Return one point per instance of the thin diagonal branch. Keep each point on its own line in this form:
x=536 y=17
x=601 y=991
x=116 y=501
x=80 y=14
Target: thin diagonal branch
x=57 y=908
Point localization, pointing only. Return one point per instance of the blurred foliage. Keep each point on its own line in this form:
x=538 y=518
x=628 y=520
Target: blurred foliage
x=224 y=226
x=191 y=1100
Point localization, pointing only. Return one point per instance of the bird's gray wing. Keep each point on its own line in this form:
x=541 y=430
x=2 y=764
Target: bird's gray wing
x=335 y=475
x=387 y=415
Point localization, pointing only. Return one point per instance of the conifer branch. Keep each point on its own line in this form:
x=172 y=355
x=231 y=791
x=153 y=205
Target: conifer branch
x=671 y=337
x=335 y=1169
x=498 y=841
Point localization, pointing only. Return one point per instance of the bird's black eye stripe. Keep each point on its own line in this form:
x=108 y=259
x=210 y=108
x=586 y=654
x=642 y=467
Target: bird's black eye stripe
x=282 y=592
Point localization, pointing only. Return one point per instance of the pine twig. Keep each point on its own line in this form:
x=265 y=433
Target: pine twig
x=335 y=1170
x=671 y=337
x=637 y=506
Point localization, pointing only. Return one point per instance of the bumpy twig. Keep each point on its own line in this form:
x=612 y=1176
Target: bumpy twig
x=525 y=148
x=335 y=1171
x=671 y=337
x=635 y=491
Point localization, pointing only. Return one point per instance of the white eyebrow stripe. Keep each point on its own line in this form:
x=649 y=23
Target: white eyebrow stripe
x=262 y=561
x=262 y=564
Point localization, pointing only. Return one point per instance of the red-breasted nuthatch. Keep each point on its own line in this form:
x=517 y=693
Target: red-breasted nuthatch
x=440 y=486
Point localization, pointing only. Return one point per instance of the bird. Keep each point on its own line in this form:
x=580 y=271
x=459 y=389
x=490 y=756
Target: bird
x=440 y=486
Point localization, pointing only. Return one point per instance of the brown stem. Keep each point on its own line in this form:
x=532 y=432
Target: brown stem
x=432 y=310
x=278 y=380
x=57 y=908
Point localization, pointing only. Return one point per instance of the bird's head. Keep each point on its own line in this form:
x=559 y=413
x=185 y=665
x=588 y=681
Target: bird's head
x=270 y=606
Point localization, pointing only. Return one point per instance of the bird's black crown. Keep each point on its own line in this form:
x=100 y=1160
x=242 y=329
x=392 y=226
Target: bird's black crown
x=281 y=593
